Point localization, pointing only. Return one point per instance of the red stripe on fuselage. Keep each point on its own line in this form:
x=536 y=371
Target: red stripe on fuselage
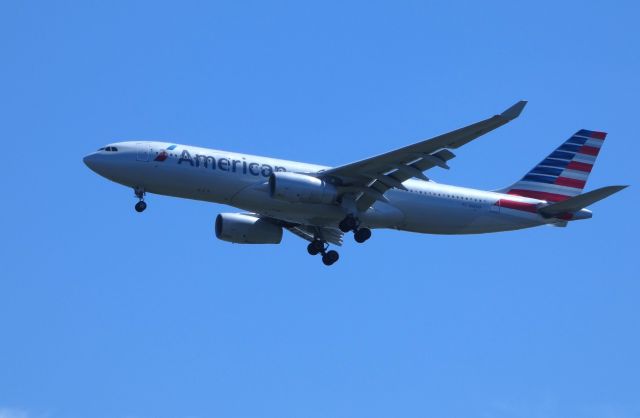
x=512 y=204
x=550 y=197
x=529 y=207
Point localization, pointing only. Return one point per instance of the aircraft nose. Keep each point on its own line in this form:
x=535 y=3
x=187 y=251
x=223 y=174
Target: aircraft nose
x=97 y=163
x=90 y=161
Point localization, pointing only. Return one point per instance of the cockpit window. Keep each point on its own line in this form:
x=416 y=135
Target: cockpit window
x=114 y=149
x=109 y=149
x=101 y=149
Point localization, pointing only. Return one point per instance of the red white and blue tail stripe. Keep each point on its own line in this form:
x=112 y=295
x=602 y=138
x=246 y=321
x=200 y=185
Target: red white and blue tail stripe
x=563 y=174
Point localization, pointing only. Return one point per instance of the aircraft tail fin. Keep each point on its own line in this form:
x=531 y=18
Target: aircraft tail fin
x=576 y=203
x=564 y=173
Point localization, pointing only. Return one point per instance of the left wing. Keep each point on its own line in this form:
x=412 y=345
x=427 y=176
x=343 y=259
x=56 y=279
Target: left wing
x=369 y=179
x=309 y=233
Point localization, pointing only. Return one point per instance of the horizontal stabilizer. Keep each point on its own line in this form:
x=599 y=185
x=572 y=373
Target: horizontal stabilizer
x=574 y=204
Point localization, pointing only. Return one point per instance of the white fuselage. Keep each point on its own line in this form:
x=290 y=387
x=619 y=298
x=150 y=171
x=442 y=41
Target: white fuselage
x=241 y=180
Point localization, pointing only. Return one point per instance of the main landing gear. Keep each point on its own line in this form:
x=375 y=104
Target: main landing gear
x=141 y=205
x=317 y=246
x=361 y=235
x=351 y=223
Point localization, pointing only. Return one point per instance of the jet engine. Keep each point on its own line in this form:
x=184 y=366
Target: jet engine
x=242 y=228
x=300 y=188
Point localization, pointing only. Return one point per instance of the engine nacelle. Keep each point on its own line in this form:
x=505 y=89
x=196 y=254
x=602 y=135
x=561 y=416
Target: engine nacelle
x=246 y=229
x=300 y=188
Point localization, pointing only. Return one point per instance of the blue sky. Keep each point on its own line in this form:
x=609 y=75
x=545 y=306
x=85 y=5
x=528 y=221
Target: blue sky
x=108 y=313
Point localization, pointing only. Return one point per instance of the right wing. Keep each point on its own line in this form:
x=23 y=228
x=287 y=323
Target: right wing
x=369 y=179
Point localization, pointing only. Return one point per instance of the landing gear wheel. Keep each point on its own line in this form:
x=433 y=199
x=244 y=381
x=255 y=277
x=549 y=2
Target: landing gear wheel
x=141 y=206
x=362 y=235
x=348 y=224
x=315 y=247
x=330 y=257
x=139 y=192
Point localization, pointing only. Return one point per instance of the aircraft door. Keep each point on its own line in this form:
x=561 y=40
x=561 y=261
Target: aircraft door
x=143 y=151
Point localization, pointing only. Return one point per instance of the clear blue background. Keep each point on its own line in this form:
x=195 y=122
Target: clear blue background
x=108 y=313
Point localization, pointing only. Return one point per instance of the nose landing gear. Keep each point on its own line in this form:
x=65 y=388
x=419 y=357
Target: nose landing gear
x=141 y=205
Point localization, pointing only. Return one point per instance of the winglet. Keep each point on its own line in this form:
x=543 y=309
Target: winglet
x=514 y=111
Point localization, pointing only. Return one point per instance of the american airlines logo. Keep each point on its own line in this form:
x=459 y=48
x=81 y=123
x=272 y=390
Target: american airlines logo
x=163 y=155
x=225 y=164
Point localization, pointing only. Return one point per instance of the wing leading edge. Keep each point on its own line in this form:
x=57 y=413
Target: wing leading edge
x=369 y=179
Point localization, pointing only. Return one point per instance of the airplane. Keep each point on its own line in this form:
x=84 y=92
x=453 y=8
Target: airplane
x=320 y=204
